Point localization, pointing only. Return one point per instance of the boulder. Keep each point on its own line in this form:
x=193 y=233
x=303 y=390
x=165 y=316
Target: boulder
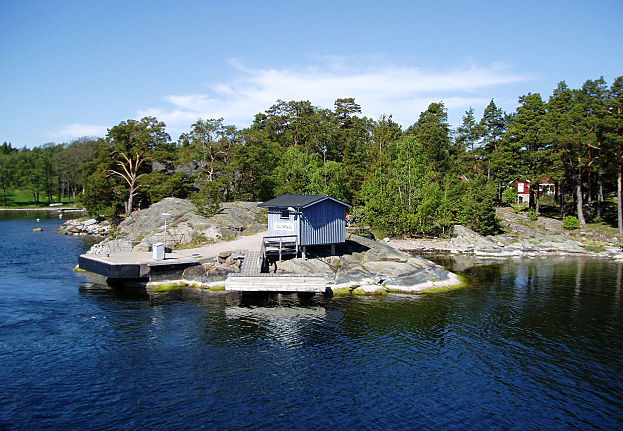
x=464 y=235
x=223 y=270
x=150 y=219
x=301 y=266
x=385 y=270
x=354 y=276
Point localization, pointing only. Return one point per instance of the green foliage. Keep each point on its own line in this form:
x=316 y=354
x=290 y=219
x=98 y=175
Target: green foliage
x=208 y=198
x=405 y=197
x=533 y=215
x=415 y=182
x=159 y=185
x=477 y=206
x=293 y=173
x=509 y=195
x=99 y=197
x=571 y=223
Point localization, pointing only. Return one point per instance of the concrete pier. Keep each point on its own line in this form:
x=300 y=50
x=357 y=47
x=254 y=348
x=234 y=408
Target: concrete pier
x=136 y=266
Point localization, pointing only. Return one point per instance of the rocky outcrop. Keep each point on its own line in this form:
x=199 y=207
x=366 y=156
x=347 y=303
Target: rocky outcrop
x=522 y=237
x=372 y=267
x=184 y=225
x=90 y=227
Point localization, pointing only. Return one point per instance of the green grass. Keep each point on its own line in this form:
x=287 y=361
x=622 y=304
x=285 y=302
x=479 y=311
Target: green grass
x=344 y=291
x=216 y=288
x=25 y=199
x=78 y=269
x=594 y=248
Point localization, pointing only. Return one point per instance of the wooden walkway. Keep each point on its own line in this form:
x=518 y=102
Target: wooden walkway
x=251 y=279
x=252 y=263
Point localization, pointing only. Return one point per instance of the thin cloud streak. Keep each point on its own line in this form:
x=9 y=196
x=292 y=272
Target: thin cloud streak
x=403 y=92
x=77 y=130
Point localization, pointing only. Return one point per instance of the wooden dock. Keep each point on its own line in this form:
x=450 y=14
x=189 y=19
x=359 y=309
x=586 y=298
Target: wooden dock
x=282 y=283
x=252 y=279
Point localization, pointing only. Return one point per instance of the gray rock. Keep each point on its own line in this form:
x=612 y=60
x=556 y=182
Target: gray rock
x=385 y=270
x=223 y=270
x=465 y=235
x=150 y=219
x=354 y=276
x=186 y=225
x=350 y=260
x=304 y=267
x=209 y=272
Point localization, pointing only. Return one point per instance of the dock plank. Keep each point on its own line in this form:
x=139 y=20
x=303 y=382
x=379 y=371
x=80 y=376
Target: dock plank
x=252 y=263
x=276 y=283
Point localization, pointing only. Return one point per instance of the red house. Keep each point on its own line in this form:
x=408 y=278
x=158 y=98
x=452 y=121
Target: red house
x=523 y=191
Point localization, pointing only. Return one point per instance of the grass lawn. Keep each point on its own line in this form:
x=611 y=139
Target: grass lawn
x=25 y=199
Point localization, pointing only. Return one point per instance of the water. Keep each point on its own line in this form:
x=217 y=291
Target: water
x=534 y=344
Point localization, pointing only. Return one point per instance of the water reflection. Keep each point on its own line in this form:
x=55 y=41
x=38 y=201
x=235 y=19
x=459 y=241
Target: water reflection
x=528 y=342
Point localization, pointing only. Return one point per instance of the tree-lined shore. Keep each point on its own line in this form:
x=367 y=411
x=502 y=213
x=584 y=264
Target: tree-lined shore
x=418 y=180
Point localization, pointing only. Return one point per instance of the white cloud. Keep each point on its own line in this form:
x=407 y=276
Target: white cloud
x=78 y=130
x=403 y=92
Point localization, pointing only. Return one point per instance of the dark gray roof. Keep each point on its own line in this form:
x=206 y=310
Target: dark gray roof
x=299 y=201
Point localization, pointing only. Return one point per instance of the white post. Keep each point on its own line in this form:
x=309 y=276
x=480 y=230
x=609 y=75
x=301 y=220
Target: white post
x=165 y=215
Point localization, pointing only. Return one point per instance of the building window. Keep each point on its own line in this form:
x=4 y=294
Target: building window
x=285 y=214
x=520 y=187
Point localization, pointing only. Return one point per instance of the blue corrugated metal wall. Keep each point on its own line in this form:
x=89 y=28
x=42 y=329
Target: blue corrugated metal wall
x=322 y=223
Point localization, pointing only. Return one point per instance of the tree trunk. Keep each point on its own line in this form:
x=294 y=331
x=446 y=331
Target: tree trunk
x=60 y=188
x=600 y=197
x=128 y=208
x=579 y=200
x=619 y=200
x=538 y=201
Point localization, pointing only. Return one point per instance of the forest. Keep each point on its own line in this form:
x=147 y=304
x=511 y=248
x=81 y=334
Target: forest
x=414 y=181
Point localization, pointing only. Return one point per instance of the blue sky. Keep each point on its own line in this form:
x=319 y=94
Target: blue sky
x=75 y=68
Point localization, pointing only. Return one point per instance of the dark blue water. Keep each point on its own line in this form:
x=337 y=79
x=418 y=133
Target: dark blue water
x=530 y=345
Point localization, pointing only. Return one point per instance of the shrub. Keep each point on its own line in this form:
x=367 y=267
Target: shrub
x=533 y=215
x=509 y=196
x=570 y=223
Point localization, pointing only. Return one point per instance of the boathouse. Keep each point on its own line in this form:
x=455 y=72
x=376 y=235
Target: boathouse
x=305 y=220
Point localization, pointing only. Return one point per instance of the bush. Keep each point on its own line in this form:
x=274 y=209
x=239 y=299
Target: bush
x=509 y=196
x=477 y=206
x=570 y=223
x=533 y=215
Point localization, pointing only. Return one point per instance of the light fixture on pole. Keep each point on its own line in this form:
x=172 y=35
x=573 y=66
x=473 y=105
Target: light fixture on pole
x=165 y=215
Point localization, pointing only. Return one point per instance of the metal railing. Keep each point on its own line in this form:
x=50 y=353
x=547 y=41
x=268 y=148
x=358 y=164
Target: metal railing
x=278 y=244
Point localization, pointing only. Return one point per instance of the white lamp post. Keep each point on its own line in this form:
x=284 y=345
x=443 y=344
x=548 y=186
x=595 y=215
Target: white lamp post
x=165 y=215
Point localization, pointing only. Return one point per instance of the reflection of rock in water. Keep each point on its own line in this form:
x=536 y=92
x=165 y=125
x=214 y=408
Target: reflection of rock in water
x=461 y=263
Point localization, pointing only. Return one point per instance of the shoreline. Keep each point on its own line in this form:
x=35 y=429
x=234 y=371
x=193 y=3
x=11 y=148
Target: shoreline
x=46 y=209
